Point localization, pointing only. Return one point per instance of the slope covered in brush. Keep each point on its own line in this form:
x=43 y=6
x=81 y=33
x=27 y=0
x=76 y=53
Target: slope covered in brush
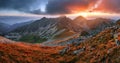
x=100 y=48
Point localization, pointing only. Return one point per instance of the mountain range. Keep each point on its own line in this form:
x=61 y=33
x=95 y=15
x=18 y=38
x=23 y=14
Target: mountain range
x=62 y=27
x=49 y=29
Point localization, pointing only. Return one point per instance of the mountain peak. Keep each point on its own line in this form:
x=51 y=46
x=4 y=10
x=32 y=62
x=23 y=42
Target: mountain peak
x=43 y=18
x=80 y=18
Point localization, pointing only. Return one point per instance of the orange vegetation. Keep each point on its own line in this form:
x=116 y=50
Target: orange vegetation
x=98 y=49
x=24 y=53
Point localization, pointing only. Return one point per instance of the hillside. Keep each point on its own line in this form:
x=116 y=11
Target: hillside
x=101 y=48
x=26 y=53
x=47 y=28
x=89 y=28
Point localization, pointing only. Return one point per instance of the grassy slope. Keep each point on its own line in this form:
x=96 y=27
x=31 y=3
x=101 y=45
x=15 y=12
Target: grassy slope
x=32 y=39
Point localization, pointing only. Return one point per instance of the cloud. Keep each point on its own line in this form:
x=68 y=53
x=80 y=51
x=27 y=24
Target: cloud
x=58 y=6
x=74 y=6
x=21 y=5
x=68 y=6
x=112 y=6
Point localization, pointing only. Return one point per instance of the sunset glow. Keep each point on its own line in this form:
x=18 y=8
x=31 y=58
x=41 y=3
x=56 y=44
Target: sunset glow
x=93 y=14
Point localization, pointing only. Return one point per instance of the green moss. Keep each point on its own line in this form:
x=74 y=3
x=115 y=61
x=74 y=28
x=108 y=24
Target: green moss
x=32 y=39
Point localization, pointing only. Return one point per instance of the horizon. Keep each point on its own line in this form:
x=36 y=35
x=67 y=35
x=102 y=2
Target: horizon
x=20 y=19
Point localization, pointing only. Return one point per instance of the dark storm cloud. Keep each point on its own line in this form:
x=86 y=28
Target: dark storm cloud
x=60 y=6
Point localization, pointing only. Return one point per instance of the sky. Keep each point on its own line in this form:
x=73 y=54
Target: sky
x=57 y=7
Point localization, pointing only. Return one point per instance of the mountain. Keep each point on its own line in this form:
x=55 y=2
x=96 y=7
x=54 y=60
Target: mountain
x=85 y=29
x=6 y=28
x=3 y=28
x=101 y=48
x=61 y=22
x=93 y=24
x=48 y=28
x=99 y=24
x=79 y=23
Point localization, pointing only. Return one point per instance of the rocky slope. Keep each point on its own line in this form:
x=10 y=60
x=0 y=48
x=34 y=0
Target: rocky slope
x=88 y=28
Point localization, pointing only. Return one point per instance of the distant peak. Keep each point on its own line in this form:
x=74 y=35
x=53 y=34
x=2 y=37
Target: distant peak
x=80 y=18
x=43 y=18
